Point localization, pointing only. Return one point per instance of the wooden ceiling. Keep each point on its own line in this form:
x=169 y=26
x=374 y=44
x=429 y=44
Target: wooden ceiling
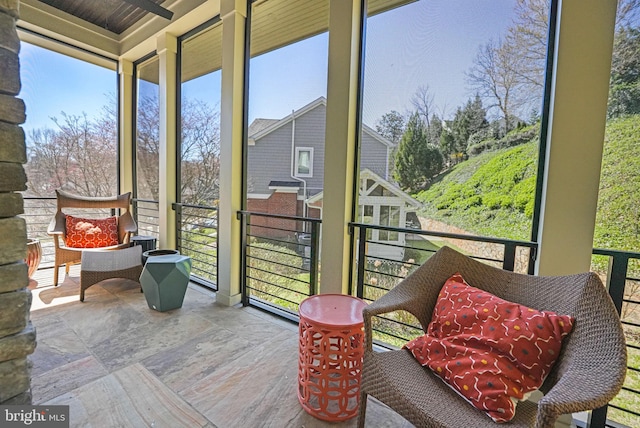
x=112 y=15
x=275 y=23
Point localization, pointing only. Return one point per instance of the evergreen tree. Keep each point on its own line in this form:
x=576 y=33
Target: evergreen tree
x=624 y=96
x=416 y=160
x=391 y=126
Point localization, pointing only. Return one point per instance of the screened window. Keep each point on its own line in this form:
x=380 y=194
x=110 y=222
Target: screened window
x=287 y=101
x=456 y=88
x=72 y=124
x=147 y=129
x=201 y=61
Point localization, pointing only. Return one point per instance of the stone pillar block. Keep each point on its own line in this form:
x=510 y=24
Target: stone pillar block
x=11 y=204
x=14 y=233
x=12 y=143
x=10 y=7
x=15 y=378
x=8 y=35
x=14 y=316
x=9 y=65
x=12 y=177
x=12 y=109
x=13 y=276
x=18 y=345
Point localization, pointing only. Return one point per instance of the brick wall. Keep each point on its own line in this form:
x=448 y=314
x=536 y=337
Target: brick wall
x=278 y=203
x=17 y=335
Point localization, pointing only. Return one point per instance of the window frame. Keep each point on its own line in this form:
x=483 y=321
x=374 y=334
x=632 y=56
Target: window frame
x=296 y=170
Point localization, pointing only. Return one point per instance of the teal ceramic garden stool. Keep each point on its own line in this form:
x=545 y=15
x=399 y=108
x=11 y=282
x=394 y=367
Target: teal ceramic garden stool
x=164 y=281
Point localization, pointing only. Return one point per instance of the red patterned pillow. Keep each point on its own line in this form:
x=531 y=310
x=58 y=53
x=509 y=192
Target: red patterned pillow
x=91 y=233
x=490 y=351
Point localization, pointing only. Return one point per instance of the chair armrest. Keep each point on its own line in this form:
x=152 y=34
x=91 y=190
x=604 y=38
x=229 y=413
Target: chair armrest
x=57 y=225
x=571 y=394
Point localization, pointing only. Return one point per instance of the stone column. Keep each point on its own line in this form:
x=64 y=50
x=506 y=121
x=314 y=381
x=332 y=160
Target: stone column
x=17 y=335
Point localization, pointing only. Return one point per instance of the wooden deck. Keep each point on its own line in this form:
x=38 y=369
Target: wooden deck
x=117 y=363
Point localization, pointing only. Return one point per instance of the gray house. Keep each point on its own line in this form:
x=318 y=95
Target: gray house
x=286 y=171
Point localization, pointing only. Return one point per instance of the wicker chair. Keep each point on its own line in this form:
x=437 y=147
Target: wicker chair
x=98 y=266
x=57 y=228
x=588 y=373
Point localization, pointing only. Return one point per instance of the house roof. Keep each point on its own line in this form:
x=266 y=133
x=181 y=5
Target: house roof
x=368 y=174
x=259 y=124
x=261 y=127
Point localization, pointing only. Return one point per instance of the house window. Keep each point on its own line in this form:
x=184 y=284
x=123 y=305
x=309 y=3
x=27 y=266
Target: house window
x=389 y=216
x=304 y=162
x=368 y=218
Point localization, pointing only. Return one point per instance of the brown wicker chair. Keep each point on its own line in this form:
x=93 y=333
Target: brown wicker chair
x=588 y=373
x=66 y=255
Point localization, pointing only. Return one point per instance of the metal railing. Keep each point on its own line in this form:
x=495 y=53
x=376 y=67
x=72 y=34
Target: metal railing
x=621 y=272
x=147 y=215
x=279 y=264
x=197 y=237
x=381 y=265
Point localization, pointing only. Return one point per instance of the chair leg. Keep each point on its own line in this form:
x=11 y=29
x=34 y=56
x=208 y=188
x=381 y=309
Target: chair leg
x=363 y=409
x=66 y=268
x=55 y=275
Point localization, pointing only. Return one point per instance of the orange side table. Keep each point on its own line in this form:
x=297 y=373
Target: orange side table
x=330 y=358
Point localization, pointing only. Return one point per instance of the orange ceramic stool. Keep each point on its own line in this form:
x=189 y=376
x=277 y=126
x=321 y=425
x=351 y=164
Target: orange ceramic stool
x=330 y=360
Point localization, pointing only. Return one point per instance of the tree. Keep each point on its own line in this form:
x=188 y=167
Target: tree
x=148 y=147
x=434 y=131
x=200 y=173
x=422 y=101
x=527 y=38
x=469 y=120
x=624 y=95
x=494 y=79
x=391 y=126
x=416 y=161
x=78 y=156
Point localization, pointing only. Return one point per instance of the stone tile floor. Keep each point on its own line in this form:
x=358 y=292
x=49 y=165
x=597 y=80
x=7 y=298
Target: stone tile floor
x=117 y=363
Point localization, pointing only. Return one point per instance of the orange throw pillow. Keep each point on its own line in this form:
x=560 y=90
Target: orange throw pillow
x=91 y=233
x=489 y=350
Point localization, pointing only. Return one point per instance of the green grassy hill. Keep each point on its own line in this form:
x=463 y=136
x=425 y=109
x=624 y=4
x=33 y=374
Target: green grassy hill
x=492 y=194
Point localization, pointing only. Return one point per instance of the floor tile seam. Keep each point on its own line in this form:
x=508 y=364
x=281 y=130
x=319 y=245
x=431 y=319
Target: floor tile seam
x=88 y=347
x=107 y=373
x=150 y=373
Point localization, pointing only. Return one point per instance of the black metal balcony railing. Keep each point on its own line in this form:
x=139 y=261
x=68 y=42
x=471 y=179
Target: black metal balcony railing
x=279 y=260
x=197 y=237
x=380 y=265
x=621 y=272
x=147 y=215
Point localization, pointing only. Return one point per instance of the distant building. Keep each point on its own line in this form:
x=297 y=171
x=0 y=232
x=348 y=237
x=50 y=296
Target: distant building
x=285 y=175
